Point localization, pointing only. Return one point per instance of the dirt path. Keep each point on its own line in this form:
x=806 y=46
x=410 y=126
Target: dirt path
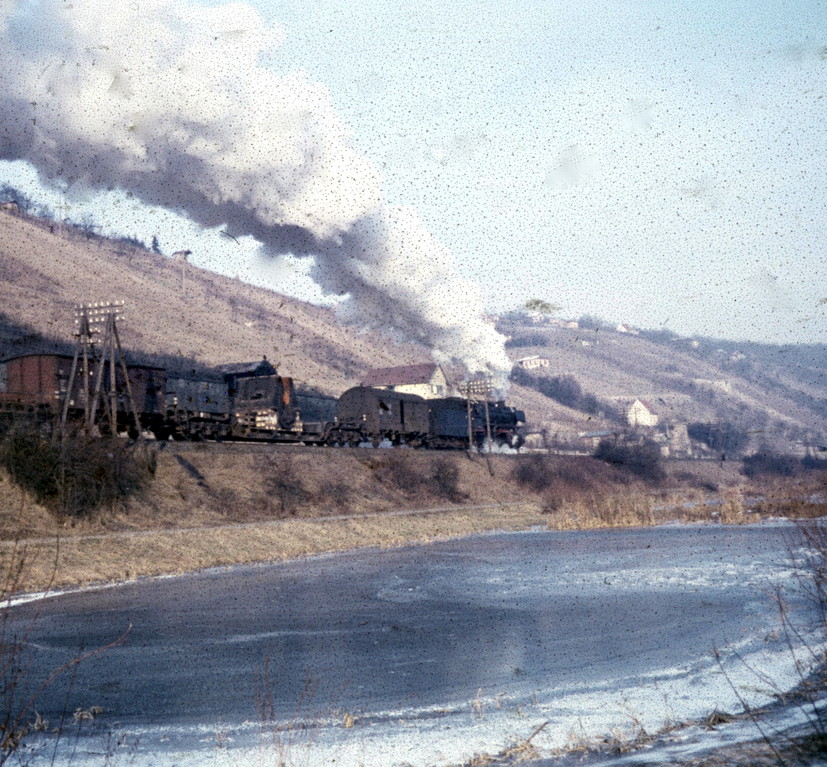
x=41 y=540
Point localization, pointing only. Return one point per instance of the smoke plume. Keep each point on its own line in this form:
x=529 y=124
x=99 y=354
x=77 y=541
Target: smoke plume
x=171 y=103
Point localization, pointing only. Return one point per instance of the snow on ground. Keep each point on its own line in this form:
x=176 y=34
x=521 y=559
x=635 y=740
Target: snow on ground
x=757 y=662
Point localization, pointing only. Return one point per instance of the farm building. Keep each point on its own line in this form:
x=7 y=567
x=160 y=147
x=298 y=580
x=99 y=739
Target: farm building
x=426 y=379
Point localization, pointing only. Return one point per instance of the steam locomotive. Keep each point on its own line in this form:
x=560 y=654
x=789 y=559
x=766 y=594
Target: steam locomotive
x=246 y=401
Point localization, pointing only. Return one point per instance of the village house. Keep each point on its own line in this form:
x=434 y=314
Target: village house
x=641 y=413
x=426 y=379
x=536 y=361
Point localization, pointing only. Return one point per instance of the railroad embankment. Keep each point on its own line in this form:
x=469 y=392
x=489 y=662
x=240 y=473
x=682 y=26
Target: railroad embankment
x=208 y=505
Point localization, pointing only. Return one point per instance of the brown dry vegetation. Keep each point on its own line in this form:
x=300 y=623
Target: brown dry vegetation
x=211 y=505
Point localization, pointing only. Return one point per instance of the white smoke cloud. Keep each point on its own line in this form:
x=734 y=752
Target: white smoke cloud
x=170 y=102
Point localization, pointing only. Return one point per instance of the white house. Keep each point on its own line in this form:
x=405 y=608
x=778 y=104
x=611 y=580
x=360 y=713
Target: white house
x=641 y=413
x=426 y=379
x=531 y=363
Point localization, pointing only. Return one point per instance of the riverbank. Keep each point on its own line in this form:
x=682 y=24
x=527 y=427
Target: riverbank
x=216 y=505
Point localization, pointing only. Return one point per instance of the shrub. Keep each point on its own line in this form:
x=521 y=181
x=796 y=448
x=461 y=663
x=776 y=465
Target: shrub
x=723 y=437
x=337 y=493
x=132 y=241
x=534 y=472
x=395 y=470
x=813 y=463
x=32 y=462
x=565 y=390
x=768 y=463
x=589 y=322
x=444 y=476
x=641 y=459
x=527 y=339
x=80 y=475
x=543 y=472
x=284 y=484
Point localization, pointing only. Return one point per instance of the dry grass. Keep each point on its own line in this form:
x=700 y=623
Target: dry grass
x=121 y=556
x=600 y=510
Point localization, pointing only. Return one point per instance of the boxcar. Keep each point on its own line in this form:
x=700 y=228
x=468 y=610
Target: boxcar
x=378 y=414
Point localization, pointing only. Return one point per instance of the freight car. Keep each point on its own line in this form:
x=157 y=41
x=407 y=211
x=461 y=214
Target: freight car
x=241 y=401
x=247 y=401
x=38 y=386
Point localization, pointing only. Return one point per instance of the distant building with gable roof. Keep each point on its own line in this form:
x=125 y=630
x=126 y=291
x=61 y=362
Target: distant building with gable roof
x=641 y=413
x=426 y=379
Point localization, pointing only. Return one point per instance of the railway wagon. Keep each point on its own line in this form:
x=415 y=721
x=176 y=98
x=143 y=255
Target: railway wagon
x=148 y=387
x=40 y=383
x=377 y=414
x=35 y=381
x=195 y=408
x=318 y=417
x=448 y=423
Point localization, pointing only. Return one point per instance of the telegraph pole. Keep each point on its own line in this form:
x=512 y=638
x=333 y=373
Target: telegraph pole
x=96 y=328
x=478 y=389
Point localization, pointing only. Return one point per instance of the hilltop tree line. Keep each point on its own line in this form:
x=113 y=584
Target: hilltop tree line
x=85 y=224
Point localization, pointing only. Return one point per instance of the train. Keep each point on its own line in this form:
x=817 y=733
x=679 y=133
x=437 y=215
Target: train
x=245 y=401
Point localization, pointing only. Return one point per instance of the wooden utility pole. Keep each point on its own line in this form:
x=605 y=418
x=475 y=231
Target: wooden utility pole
x=478 y=389
x=98 y=350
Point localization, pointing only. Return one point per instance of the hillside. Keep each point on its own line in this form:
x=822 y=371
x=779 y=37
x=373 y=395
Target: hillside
x=777 y=393
x=211 y=320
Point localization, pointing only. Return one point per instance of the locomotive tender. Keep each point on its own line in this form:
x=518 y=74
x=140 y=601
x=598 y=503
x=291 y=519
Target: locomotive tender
x=250 y=401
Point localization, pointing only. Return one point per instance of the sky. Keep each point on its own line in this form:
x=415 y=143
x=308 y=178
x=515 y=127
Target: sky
x=661 y=164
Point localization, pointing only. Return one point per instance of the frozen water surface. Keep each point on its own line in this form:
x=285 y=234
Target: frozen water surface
x=424 y=655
